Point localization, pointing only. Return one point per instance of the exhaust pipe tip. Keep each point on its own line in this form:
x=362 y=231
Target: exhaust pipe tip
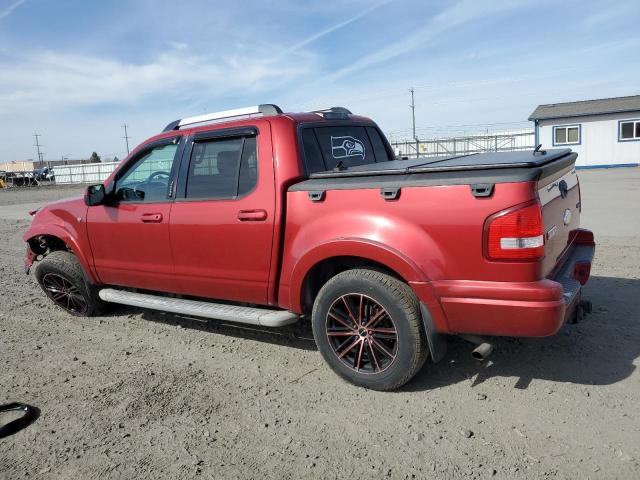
x=482 y=351
x=483 y=348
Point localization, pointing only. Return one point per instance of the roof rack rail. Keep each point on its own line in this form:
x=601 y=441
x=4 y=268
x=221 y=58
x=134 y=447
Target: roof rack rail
x=264 y=109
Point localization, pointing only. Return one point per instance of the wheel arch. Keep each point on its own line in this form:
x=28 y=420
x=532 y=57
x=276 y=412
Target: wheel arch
x=54 y=238
x=317 y=266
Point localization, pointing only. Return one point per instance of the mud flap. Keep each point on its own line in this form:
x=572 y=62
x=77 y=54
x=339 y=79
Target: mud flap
x=437 y=342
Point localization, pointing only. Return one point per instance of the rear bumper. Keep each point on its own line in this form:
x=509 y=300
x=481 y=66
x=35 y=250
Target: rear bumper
x=526 y=309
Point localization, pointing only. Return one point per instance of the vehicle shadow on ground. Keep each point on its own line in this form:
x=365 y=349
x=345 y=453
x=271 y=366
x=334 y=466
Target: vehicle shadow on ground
x=298 y=335
x=597 y=351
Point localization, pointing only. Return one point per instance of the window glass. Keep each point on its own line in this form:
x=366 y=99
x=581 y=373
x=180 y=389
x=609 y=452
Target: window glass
x=324 y=147
x=568 y=135
x=248 y=167
x=378 y=145
x=148 y=179
x=312 y=154
x=637 y=129
x=349 y=145
x=626 y=130
x=222 y=168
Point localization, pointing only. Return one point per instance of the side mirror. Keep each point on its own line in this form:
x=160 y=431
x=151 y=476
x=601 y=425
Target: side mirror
x=94 y=195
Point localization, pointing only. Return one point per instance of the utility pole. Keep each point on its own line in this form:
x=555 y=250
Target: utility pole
x=37 y=145
x=413 y=120
x=126 y=137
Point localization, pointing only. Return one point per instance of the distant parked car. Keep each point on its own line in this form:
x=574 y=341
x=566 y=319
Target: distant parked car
x=43 y=173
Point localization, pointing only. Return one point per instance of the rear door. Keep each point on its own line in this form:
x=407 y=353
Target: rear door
x=129 y=236
x=223 y=218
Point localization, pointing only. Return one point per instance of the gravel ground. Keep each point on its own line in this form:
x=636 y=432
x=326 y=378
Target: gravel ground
x=138 y=394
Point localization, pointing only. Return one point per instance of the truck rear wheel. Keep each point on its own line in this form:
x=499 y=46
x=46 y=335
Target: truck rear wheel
x=63 y=280
x=368 y=328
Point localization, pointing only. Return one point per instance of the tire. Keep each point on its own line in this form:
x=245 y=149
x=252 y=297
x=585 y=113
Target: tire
x=388 y=347
x=62 y=279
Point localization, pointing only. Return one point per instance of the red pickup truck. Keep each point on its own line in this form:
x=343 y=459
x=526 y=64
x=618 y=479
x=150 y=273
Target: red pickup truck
x=263 y=217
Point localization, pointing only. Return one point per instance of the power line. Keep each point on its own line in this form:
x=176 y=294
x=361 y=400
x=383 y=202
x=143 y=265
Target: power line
x=126 y=137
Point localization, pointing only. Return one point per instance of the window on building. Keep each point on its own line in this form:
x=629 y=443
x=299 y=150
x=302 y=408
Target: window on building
x=222 y=168
x=629 y=130
x=566 y=135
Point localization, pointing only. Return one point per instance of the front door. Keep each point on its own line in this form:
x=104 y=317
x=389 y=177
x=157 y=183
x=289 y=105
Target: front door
x=129 y=235
x=223 y=217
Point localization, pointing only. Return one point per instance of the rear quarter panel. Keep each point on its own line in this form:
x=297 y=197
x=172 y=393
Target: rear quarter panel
x=429 y=233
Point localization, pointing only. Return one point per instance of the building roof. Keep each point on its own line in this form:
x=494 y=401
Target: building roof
x=586 y=107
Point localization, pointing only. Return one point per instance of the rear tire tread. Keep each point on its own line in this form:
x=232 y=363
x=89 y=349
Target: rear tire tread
x=406 y=301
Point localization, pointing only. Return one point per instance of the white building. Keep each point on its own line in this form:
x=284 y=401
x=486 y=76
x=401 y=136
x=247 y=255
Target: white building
x=604 y=133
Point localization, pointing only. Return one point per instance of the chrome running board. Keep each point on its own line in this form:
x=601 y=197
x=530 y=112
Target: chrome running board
x=232 y=313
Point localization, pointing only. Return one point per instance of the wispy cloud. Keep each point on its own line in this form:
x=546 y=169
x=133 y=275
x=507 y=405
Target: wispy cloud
x=462 y=12
x=47 y=79
x=9 y=10
x=318 y=35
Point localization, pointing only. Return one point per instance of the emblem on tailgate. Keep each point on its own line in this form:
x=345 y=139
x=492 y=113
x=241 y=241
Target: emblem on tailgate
x=343 y=147
x=566 y=217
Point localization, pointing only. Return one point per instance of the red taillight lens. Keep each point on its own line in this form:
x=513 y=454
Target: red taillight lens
x=581 y=272
x=517 y=234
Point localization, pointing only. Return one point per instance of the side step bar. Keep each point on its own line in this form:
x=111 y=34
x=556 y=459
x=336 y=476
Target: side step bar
x=232 y=313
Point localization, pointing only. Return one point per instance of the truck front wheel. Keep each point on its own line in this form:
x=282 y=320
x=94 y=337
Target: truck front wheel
x=367 y=326
x=63 y=280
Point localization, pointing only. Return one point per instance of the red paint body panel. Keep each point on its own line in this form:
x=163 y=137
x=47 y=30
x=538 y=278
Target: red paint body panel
x=434 y=237
x=66 y=220
x=218 y=255
x=128 y=251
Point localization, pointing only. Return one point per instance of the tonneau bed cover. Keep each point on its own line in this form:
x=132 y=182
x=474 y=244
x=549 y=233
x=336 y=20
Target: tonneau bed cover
x=451 y=163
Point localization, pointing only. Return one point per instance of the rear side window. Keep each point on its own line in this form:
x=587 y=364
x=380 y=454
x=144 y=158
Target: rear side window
x=326 y=147
x=222 y=168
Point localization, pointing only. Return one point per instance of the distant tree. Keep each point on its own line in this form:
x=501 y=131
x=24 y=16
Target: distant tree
x=95 y=158
x=116 y=159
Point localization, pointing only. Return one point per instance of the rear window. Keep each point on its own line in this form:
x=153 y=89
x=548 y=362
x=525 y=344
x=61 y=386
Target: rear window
x=326 y=147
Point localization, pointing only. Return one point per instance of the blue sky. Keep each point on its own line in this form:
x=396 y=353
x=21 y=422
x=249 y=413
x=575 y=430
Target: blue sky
x=75 y=70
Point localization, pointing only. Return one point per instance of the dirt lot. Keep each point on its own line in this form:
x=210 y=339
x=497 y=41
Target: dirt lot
x=138 y=394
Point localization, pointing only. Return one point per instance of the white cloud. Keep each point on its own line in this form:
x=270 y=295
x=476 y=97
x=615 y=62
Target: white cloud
x=316 y=36
x=9 y=10
x=460 y=13
x=39 y=81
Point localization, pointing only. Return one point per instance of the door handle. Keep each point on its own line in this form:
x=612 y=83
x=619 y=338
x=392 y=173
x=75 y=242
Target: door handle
x=252 y=215
x=151 y=217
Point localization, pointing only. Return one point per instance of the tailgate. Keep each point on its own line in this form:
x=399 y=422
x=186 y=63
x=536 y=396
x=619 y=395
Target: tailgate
x=560 y=199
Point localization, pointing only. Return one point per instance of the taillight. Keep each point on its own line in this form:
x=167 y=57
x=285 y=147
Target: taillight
x=581 y=272
x=516 y=234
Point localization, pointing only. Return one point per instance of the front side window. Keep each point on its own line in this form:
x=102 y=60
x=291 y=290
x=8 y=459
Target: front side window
x=629 y=130
x=148 y=179
x=566 y=135
x=222 y=168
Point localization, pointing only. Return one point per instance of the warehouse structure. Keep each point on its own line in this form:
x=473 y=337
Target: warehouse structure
x=604 y=132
